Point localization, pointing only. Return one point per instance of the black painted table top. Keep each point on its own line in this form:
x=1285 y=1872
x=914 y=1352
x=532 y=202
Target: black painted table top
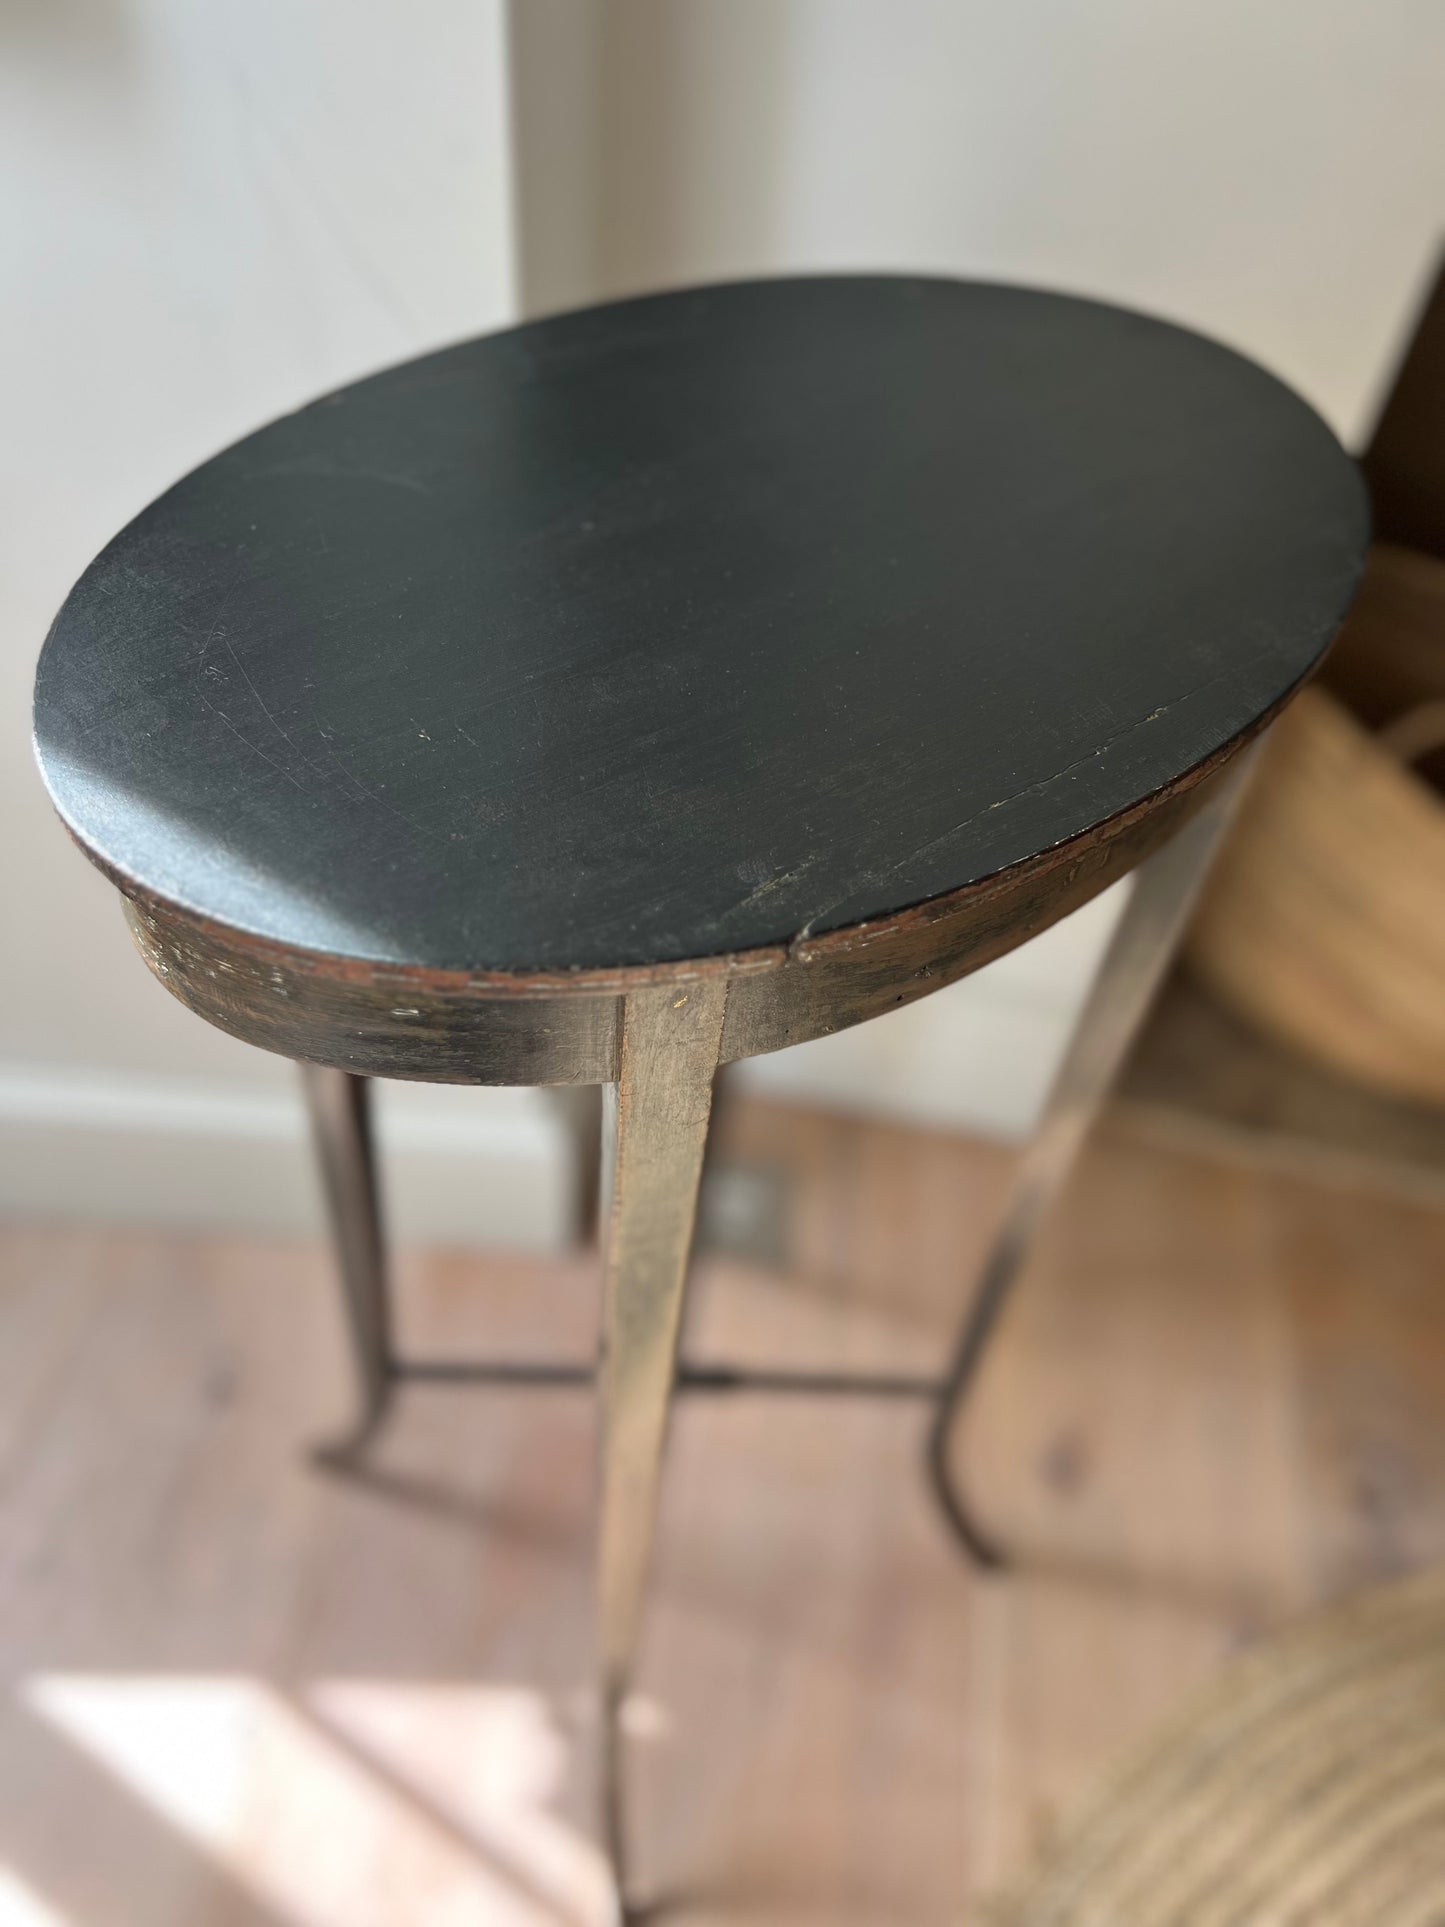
x=691 y=623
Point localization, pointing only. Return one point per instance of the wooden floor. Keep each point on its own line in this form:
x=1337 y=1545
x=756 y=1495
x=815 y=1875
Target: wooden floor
x=243 y=1694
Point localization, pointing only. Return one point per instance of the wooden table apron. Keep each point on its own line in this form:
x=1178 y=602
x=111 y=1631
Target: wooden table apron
x=458 y=1028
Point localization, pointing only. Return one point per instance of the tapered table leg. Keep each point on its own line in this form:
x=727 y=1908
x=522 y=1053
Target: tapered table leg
x=1143 y=943
x=339 y=1106
x=669 y=1051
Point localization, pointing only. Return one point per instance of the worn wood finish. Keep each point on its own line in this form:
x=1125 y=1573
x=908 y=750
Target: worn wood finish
x=489 y=1029
x=688 y=633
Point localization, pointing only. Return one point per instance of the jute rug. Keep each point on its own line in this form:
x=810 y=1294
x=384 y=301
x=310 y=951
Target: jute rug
x=1306 y=1788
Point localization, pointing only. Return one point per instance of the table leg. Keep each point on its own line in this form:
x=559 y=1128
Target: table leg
x=1144 y=941
x=340 y=1110
x=669 y=1051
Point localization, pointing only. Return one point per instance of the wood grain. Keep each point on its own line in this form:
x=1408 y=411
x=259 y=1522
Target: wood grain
x=1216 y=1404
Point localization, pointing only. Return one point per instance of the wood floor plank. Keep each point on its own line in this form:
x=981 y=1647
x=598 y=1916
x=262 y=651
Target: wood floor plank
x=244 y=1693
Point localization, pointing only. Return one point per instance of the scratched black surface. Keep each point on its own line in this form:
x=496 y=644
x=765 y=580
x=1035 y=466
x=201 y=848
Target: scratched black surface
x=694 y=622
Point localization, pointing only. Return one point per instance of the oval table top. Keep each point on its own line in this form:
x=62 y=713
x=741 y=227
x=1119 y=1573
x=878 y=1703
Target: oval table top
x=694 y=623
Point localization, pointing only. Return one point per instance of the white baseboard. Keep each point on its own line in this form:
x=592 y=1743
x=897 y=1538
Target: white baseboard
x=460 y=1167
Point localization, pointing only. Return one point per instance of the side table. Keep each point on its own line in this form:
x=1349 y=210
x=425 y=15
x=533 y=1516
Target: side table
x=649 y=687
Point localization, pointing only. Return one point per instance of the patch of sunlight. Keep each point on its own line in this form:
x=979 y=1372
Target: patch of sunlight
x=488 y=1761
x=365 y=1802
x=20 y=1907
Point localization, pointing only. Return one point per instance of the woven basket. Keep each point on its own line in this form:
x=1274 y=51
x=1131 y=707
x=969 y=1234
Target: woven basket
x=1305 y=1789
x=1324 y=920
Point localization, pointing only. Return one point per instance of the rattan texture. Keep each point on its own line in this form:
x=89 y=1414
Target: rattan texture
x=1305 y=1788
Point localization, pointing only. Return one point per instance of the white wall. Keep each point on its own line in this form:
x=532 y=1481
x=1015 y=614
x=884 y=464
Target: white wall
x=212 y=209
x=1273 y=174
x=208 y=214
